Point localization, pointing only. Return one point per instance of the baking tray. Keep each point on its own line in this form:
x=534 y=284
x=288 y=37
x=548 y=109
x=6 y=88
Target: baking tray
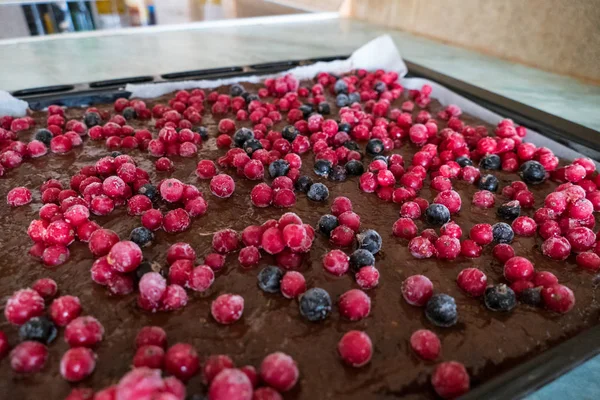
x=518 y=381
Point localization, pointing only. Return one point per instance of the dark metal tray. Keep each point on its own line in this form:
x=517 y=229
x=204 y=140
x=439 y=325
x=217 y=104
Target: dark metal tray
x=515 y=383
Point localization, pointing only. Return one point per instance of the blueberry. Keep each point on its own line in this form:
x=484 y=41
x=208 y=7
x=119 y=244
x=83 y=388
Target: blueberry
x=251 y=145
x=269 y=279
x=340 y=87
x=236 y=90
x=40 y=329
x=491 y=161
x=327 y=223
x=279 y=168
x=488 y=182
x=382 y=158
x=341 y=100
x=351 y=145
x=375 y=147
x=44 y=136
x=502 y=232
x=245 y=96
x=337 y=173
x=318 y=192
x=303 y=183
x=369 y=240
x=509 y=211
x=344 y=127
x=323 y=167
x=354 y=97
x=380 y=87
x=241 y=135
x=464 y=161
x=289 y=132
x=145 y=267
x=532 y=172
x=361 y=258
x=141 y=236
x=129 y=113
x=306 y=109
x=252 y=97
x=324 y=108
x=149 y=190
x=203 y=132
x=499 y=298
x=440 y=310
x=315 y=304
x=115 y=154
x=531 y=296
x=91 y=119
x=437 y=214
x=354 y=167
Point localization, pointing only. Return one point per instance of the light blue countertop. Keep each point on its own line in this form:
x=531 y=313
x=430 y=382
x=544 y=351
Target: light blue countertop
x=76 y=58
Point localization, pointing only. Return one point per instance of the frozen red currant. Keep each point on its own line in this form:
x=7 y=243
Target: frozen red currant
x=182 y=361
x=426 y=344
x=23 y=305
x=558 y=298
x=231 y=384
x=417 y=290
x=518 y=268
x=473 y=281
x=222 y=186
x=556 y=248
x=450 y=380
x=355 y=348
x=293 y=284
x=77 y=364
x=336 y=262
x=227 y=308
x=84 y=331
x=28 y=357
x=354 y=305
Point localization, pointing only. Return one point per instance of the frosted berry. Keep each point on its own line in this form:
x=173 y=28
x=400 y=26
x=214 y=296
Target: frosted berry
x=225 y=241
x=28 y=357
x=588 y=260
x=101 y=241
x=336 y=262
x=426 y=344
x=545 y=279
x=177 y=220
x=293 y=284
x=151 y=335
x=174 y=298
x=451 y=229
x=499 y=298
x=484 y=199
x=23 y=305
x=354 y=305
x=227 y=308
x=230 y=384
x=77 y=364
x=473 y=281
x=222 y=186
x=279 y=371
x=84 y=332
x=261 y=195
x=417 y=290
x=556 y=248
x=355 y=348
x=558 y=298
x=201 y=278
x=441 y=310
x=447 y=248
x=421 y=247
x=182 y=361
x=45 y=287
x=149 y=356
x=367 y=277
x=315 y=304
x=64 y=309
x=482 y=234
x=450 y=380
x=269 y=279
x=152 y=287
x=524 y=226
x=18 y=196
x=125 y=256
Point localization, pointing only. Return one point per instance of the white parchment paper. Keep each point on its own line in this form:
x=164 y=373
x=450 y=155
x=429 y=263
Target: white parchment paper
x=12 y=106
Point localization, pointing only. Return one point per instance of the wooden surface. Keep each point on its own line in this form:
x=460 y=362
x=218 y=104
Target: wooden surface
x=561 y=36
x=146 y=51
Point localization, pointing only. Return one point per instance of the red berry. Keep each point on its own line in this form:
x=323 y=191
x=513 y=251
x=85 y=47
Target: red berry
x=405 y=228
x=222 y=186
x=503 y=252
x=470 y=249
x=225 y=241
x=279 y=371
x=293 y=284
x=518 y=268
x=581 y=238
x=215 y=364
x=149 y=356
x=524 y=226
x=139 y=383
x=206 y=169
x=249 y=256
x=447 y=248
x=201 y=278
x=138 y=204
x=177 y=220
x=45 y=287
x=59 y=232
x=113 y=186
x=251 y=373
x=340 y=205
x=336 y=262
x=174 y=298
x=215 y=261
x=473 y=281
x=125 y=256
x=55 y=255
x=588 y=260
x=426 y=344
x=558 y=298
x=261 y=195
x=450 y=199
x=152 y=288
x=421 y=247
x=451 y=229
x=272 y=241
x=18 y=196
x=172 y=386
x=450 y=380
x=355 y=348
x=151 y=335
x=367 y=277
x=227 y=308
x=102 y=205
x=181 y=360
x=484 y=199
x=28 y=357
x=77 y=364
x=556 y=248
x=342 y=236
x=266 y=393
x=416 y=290
x=354 y=305
x=545 y=279
x=230 y=384
x=481 y=234
x=84 y=332
x=23 y=305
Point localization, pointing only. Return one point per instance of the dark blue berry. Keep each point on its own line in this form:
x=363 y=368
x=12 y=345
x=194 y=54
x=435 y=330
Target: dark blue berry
x=499 y=298
x=251 y=145
x=315 y=304
x=340 y=87
x=44 y=136
x=269 y=279
x=464 y=161
x=115 y=154
x=437 y=214
x=375 y=147
x=252 y=97
x=509 y=211
x=318 y=192
x=324 y=108
x=488 y=182
x=502 y=232
x=369 y=240
x=147 y=266
x=129 y=113
x=342 y=100
x=303 y=183
x=382 y=158
x=203 y=132
x=532 y=172
x=353 y=97
x=279 y=168
x=241 y=136
x=491 y=161
x=351 y=145
x=141 y=236
x=344 y=127
x=149 y=190
x=246 y=97
x=531 y=296
x=40 y=329
x=354 y=167
x=441 y=310
x=361 y=258
x=92 y=119
x=323 y=167
x=289 y=132
x=306 y=109
x=337 y=173
x=236 y=90
x=380 y=87
x=327 y=223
